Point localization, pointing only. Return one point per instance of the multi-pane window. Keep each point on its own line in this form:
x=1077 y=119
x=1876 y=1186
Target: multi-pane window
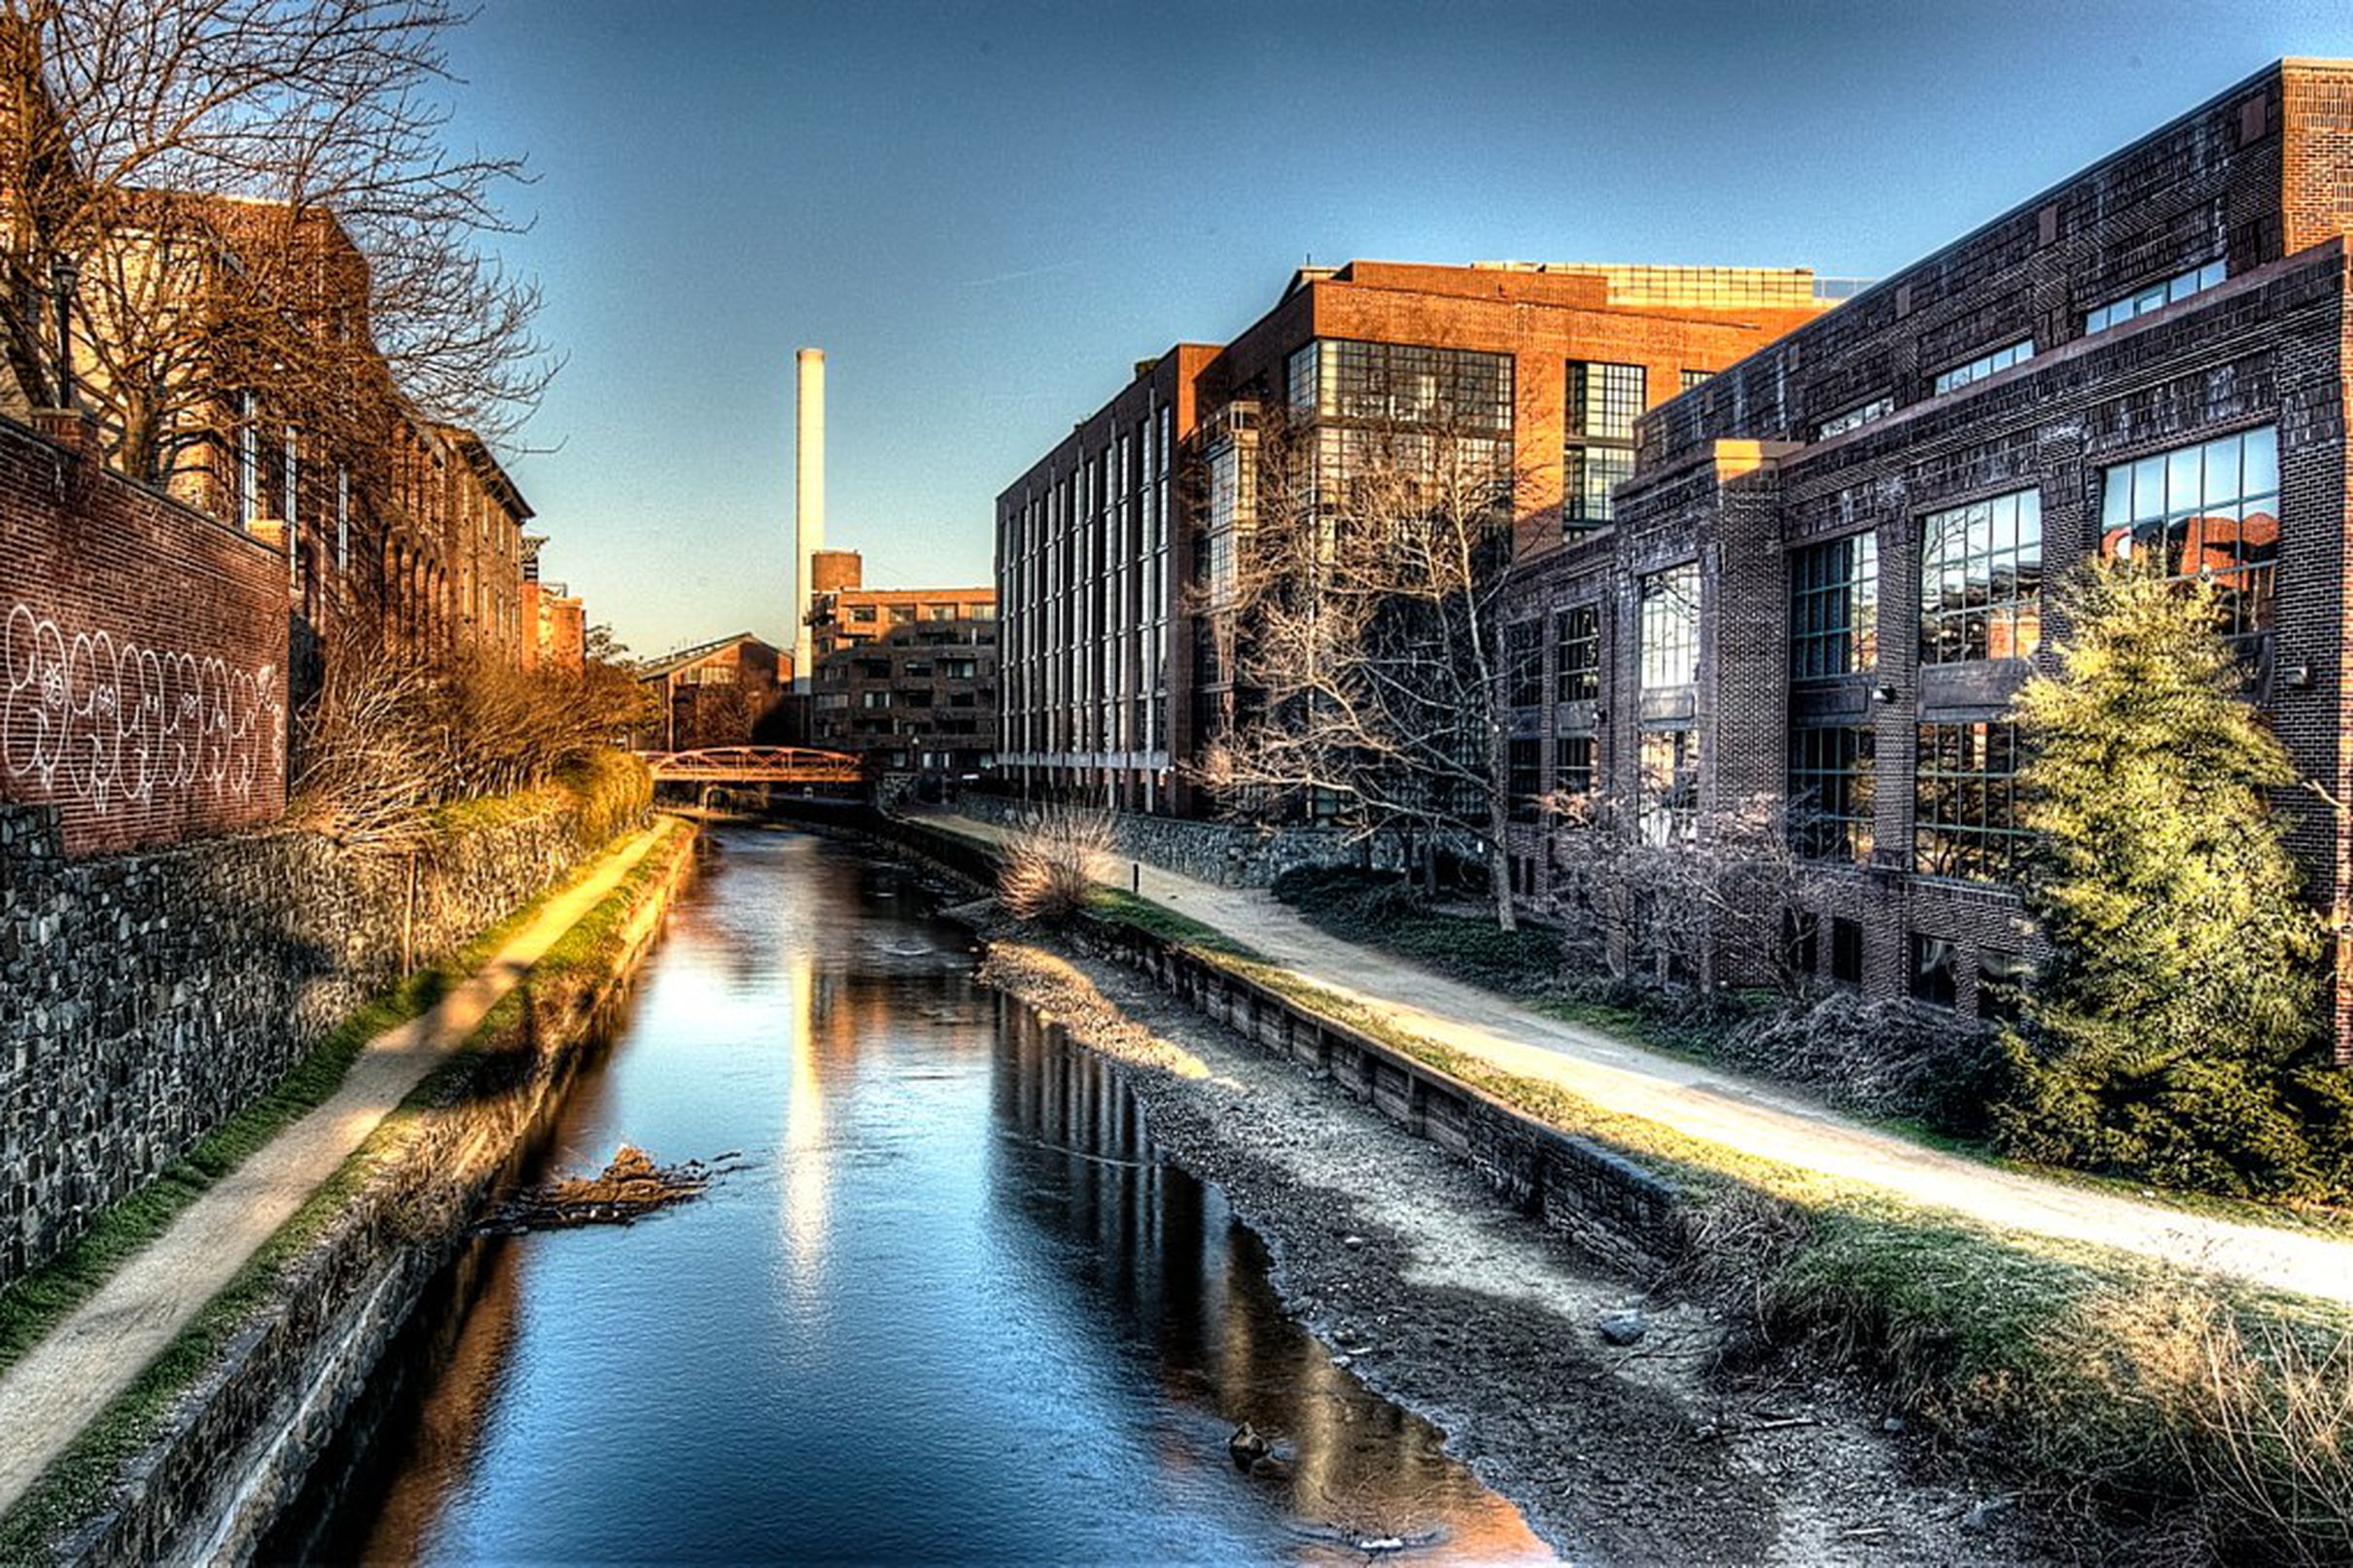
x=1981 y=580
x=2154 y=296
x=1524 y=664
x=1573 y=764
x=1667 y=810
x=1670 y=627
x=1605 y=399
x=1854 y=418
x=1985 y=365
x=1341 y=378
x=1965 y=816
x=2213 y=510
x=1524 y=765
x=1830 y=791
x=1833 y=607
x=1577 y=653
x=1692 y=378
x=1588 y=474
x=1602 y=402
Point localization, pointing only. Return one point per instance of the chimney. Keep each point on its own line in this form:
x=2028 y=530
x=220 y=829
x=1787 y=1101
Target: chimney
x=809 y=499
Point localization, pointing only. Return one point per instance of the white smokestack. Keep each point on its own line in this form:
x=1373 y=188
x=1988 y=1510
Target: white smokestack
x=809 y=502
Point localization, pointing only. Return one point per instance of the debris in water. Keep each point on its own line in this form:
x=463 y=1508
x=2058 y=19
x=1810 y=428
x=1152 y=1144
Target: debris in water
x=630 y=1187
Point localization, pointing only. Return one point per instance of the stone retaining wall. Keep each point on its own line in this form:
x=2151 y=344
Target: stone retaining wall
x=146 y=998
x=237 y=1446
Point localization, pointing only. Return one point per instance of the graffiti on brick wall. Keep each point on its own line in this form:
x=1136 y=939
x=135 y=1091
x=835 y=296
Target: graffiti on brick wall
x=108 y=723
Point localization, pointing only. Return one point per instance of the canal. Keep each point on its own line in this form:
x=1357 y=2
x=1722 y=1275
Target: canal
x=949 y=1309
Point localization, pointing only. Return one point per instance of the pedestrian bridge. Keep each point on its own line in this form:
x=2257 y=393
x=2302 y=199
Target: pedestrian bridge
x=753 y=764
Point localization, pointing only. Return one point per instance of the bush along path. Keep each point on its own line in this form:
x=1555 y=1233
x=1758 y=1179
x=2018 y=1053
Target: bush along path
x=61 y=1383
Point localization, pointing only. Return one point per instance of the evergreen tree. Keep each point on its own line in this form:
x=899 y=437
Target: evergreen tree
x=2165 y=1038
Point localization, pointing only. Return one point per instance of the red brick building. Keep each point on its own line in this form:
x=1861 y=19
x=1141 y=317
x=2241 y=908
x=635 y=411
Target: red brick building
x=726 y=692
x=906 y=679
x=1115 y=677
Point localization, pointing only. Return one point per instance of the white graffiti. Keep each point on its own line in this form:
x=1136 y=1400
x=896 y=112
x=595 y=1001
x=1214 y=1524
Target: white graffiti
x=110 y=723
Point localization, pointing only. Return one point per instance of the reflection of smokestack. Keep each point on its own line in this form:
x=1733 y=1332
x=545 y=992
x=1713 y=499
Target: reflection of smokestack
x=809 y=498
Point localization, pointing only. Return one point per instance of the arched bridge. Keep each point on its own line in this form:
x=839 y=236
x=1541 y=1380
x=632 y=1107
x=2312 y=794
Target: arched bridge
x=754 y=764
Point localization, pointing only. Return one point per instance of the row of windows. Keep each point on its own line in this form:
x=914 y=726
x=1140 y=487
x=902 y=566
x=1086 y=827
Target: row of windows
x=1985 y=365
x=1344 y=379
x=2139 y=302
x=2213 y=510
x=2155 y=296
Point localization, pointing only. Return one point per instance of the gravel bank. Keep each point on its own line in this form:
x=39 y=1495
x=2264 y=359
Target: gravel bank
x=1440 y=1297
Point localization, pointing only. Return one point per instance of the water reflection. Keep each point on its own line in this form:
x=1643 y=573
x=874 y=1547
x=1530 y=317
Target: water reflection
x=955 y=1312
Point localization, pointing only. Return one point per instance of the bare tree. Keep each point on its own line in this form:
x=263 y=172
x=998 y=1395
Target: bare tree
x=1359 y=604
x=1715 y=900
x=250 y=196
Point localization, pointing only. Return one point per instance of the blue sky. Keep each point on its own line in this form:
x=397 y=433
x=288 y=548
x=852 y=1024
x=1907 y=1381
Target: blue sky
x=985 y=213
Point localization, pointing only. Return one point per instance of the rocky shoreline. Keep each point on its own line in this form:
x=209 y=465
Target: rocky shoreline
x=1604 y=1415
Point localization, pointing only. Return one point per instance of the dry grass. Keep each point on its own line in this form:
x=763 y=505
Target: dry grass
x=1048 y=868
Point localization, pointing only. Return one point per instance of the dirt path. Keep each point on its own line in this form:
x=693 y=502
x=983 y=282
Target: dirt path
x=1739 y=1113
x=1438 y=1295
x=62 y=1383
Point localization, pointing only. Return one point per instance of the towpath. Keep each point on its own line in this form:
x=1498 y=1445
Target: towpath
x=1743 y=1114
x=60 y=1385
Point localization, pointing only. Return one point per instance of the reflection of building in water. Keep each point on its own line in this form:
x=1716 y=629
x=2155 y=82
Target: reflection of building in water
x=805 y=1175
x=1171 y=1254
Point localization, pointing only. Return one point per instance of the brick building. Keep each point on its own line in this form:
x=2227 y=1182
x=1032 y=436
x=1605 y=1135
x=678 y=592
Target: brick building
x=906 y=679
x=728 y=692
x=1111 y=548
x=1834 y=562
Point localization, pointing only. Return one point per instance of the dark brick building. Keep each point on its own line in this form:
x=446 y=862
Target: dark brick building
x=1111 y=549
x=1834 y=562
x=906 y=679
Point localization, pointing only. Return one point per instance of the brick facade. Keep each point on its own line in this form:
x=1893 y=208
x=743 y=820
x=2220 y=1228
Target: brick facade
x=906 y=679
x=143 y=659
x=1112 y=685
x=2185 y=295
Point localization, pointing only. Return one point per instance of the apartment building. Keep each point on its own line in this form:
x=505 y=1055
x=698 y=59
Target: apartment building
x=905 y=678
x=1836 y=560
x=1113 y=548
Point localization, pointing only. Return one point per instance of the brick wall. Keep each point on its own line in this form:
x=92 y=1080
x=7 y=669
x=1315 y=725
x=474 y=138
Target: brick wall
x=143 y=656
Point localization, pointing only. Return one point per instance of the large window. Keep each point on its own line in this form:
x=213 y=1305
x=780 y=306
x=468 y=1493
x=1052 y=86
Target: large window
x=1985 y=365
x=2213 y=510
x=1577 y=653
x=2155 y=296
x=1669 y=804
x=1573 y=764
x=1830 y=791
x=1981 y=580
x=1524 y=664
x=1604 y=399
x=1833 y=607
x=1523 y=762
x=1588 y=474
x=1965 y=820
x=1601 y=404
x=1670 y=627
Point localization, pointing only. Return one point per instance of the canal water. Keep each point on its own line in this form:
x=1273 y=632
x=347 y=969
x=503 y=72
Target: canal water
x=950 y=1310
